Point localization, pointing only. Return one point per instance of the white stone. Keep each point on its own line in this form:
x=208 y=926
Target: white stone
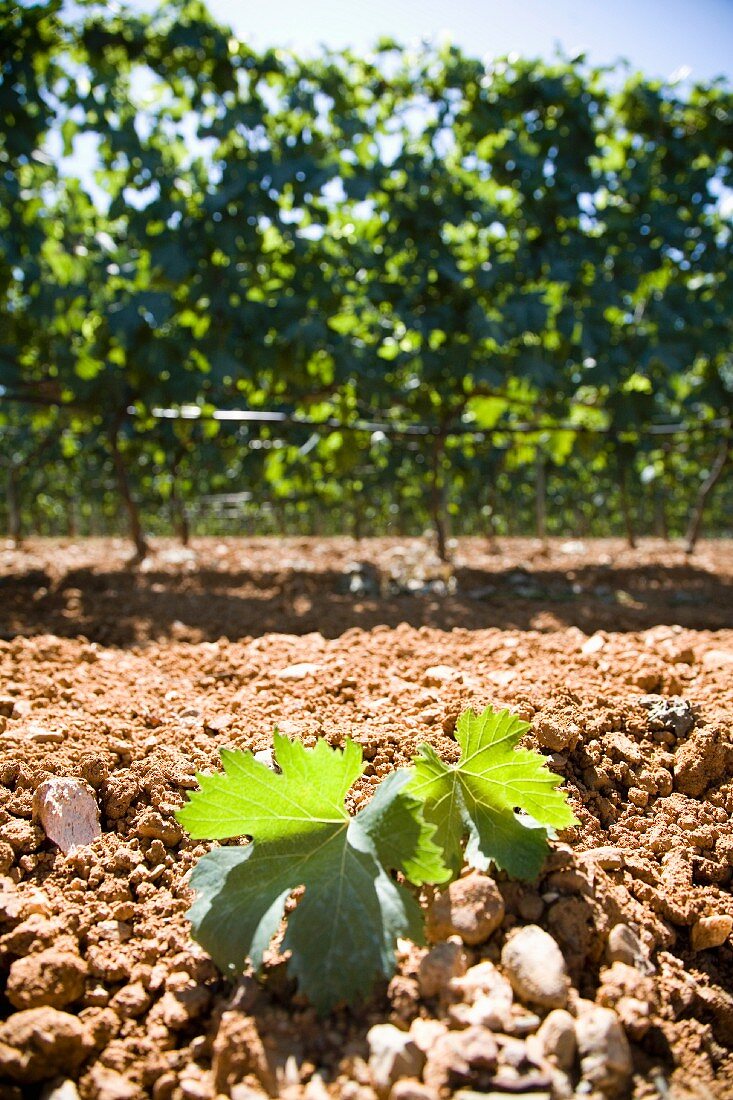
x=426 y=1032
x=68 y=812
x=65 y=1090
x=716 y=659
x=266 y=757
x=411 y=1089
x=437 y=675
x=246 y=1092
x=573 y=546
x=40 y=734
x=556 y=1038
x=605 y=1058
x=111 y=1085
x=502 y=677
x=712 y=931
x=314 y=1090
x=491 y=1012
x=392 y=1054
x=594 y=645
x=534 y=965
x=297 y=672
x=488 y=993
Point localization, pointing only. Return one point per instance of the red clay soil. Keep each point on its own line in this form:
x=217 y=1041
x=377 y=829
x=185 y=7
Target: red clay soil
x=243 y=588
x=132 y=680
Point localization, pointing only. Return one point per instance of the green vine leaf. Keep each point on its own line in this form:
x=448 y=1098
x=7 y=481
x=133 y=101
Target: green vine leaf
x=479 y=797
x=342 y=933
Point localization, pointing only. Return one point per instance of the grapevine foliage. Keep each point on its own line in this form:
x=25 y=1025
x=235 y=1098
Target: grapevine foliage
x=413 y=236
x=479 y=796
x=342 y=932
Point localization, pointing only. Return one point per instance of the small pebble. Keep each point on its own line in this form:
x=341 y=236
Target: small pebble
x=68 y=812
x=716 y=659
x=535 y=966
x=487 y=996
x=65 y=1090
x=710 y=932
x=426 y=1032
x=556 y=1038
x=674 y=715
x=392 y=1054
x=437 y=675
x=39 y=734
x=266 y=757
x=625 y=946
x=409 y=1088
x=110 y=1085
x=217 y=723
x=608 y=857
x=605 y=1058
x=522 y=1024
x=301 y=671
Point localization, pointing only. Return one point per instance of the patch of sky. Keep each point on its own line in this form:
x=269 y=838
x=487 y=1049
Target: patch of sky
x=695 y=42
x=722 y=194
x=311 y=232
x=333 y=191
x=141 y=197
x=539 y=28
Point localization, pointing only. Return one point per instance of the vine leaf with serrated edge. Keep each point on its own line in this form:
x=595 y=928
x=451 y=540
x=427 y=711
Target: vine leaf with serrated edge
x=342 y=933
x=478 y=797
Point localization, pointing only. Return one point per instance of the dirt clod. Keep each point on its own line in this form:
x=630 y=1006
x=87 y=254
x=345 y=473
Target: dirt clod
x=39 y=1043
x=50 y=977
x=444 y=962
x=472 y=908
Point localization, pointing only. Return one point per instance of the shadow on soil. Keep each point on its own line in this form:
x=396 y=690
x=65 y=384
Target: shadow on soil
x=124 y=607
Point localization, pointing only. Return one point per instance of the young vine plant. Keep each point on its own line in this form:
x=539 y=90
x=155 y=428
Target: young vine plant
x=341 y=934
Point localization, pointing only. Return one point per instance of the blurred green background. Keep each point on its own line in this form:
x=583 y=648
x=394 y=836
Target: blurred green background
x=355 y=290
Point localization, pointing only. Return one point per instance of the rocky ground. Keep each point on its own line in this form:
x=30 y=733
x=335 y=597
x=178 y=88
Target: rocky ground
x=611 y=976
